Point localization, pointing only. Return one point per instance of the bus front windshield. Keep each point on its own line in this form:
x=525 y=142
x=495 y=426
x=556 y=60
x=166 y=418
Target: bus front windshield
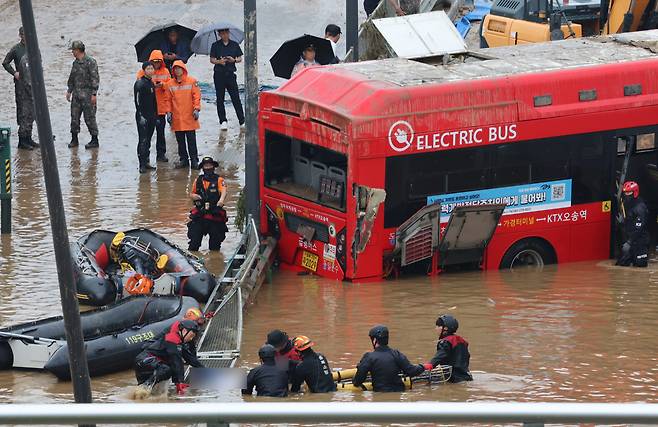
x=303 y=170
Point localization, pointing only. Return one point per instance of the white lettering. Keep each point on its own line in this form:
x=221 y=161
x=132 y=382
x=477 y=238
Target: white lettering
x=512 y=131
x=460 y=138
x=477 y=136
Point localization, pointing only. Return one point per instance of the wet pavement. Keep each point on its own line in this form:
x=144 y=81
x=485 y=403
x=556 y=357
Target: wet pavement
x=580 y=332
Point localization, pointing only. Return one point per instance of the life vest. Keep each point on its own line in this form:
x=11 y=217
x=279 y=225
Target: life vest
x=208 y=187
x=138 y=284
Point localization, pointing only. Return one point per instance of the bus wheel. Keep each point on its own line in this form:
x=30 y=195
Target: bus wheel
x=533 y=253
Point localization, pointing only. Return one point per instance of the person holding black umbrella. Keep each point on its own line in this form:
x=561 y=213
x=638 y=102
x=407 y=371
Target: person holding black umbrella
x=307 y=60
x=225 y=53
x=175 y=49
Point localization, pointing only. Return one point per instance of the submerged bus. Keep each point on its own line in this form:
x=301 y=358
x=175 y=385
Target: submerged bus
x=547 y=129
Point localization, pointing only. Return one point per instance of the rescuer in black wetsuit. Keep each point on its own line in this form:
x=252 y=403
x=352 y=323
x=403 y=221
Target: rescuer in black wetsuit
x=163 y=359
x=451 y=350
x=313 y=369
x=635 y=248
x=268 y=379
x=384 y=364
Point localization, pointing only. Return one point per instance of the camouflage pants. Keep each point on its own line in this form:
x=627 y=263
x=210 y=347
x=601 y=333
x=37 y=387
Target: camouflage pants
x=24 y=109
x=81 y=104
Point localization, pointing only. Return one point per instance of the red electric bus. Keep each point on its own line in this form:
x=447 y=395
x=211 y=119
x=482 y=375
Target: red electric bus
x=547 y=129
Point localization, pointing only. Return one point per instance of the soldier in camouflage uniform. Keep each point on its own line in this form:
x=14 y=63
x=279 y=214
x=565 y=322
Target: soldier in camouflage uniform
x=82 y=91
x=24 y=102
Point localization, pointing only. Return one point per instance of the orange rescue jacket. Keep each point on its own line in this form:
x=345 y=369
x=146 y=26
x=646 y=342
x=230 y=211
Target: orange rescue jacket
x=182 y=99
x=160 y=76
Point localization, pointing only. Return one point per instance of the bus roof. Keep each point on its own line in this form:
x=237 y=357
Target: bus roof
x=510 y=60
x=348 y=89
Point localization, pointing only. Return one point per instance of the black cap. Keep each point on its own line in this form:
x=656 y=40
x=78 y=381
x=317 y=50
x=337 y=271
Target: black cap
x=267 y=352
x=146 y=64
x=277 y=338
x=333 y=30
x=449 y=322
x=380 y=333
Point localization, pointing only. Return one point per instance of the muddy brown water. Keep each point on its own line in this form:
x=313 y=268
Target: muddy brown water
x=580 y=332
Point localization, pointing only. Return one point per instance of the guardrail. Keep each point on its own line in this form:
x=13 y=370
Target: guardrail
x=307 y=412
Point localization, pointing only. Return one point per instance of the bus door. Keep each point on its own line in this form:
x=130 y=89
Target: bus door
x=637 y=161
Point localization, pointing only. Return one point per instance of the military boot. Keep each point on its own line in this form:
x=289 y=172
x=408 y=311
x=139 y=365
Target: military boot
x=24 y=143
x=74 y=140
x=93 y=143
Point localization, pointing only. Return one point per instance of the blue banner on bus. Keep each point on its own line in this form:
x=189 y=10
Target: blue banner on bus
x=519 y=198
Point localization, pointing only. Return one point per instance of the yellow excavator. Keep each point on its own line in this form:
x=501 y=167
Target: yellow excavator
x=513 y=22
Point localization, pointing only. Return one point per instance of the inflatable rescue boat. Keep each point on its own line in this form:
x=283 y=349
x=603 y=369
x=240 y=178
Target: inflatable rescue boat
x=114 y=335
x=101 y=278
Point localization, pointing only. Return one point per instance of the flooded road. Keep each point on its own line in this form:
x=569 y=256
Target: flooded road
x=576 y=332
x=580 y=332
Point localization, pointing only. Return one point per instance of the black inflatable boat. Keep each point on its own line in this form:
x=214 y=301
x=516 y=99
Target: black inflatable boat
x=99 y=279
x=114 y=335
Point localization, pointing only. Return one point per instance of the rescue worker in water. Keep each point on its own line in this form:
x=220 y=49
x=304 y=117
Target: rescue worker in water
x=313 y=369
x=384 y=364
x=635 y=248
x=208 y=215
x=451 y=349
x=163 y=358
x=267 y=379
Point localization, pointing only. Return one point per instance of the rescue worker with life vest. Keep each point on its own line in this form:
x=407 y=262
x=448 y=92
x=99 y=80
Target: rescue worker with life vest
x=208 y=215
x=164 y=357
x=384 y=364
x=636 y=233
x=314 y=369
x=268 y=379
x=451 y=349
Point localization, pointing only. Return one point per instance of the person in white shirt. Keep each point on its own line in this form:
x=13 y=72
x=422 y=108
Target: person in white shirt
x=333 y=33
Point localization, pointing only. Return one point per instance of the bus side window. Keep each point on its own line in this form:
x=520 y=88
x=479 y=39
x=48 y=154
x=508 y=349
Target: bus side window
x=549 y=160
x=645 y=142
x=588 y=165
x=511 y=165
x=466 y=169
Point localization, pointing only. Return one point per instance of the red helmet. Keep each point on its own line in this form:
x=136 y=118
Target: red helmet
x=631 y=187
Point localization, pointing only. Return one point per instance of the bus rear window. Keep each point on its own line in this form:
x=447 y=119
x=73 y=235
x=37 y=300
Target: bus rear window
x=307 y=171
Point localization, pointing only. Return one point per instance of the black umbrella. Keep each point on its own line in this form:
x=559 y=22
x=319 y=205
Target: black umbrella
x=157 y=35
x=290 y=52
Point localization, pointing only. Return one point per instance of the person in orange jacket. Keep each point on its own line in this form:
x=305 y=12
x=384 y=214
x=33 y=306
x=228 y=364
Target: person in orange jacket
x=183 y=107
x=160 y=77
